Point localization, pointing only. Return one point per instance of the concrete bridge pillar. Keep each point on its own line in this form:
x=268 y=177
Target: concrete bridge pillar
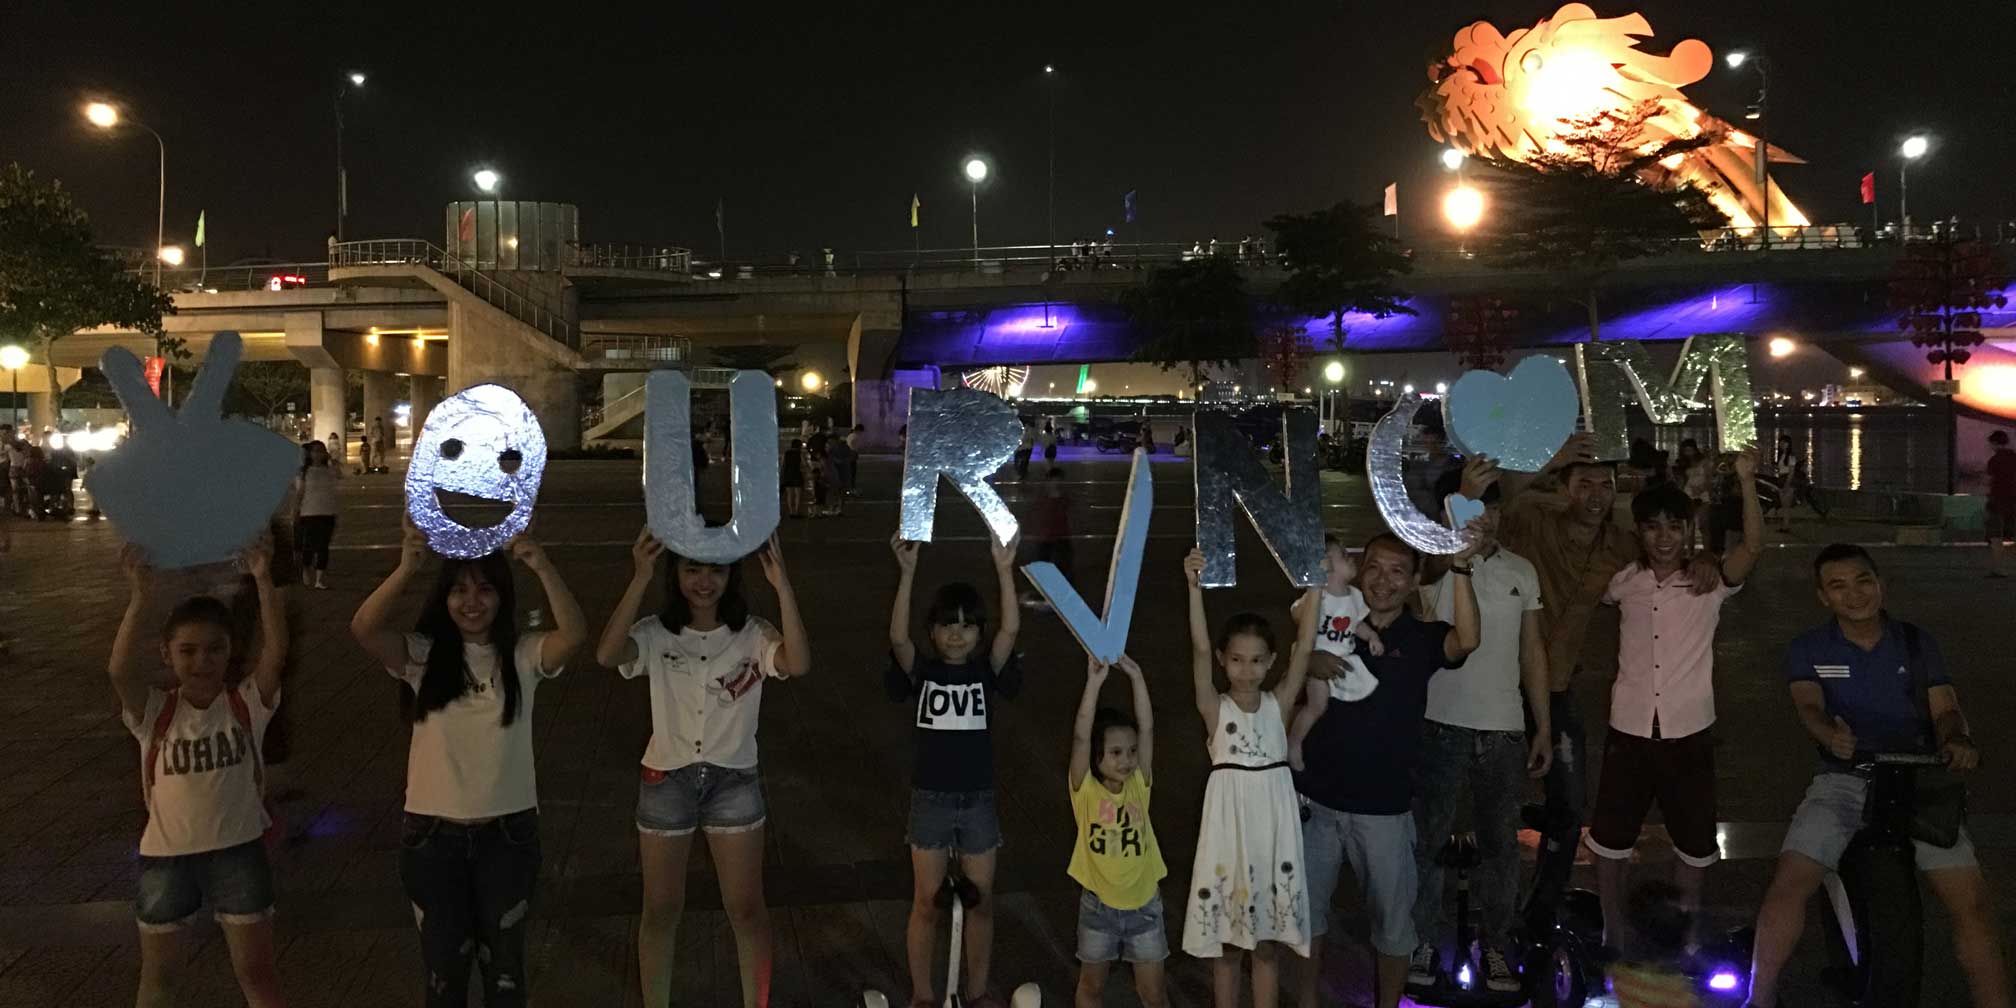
x=41 y=412
x=327 y=412
x=881 y=395
x=380 y=392
x=424 y=396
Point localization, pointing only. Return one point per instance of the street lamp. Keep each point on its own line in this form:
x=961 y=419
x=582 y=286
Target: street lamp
x=1855 y=373
x=1333 y=372
x=811 y=381
x=1463 y=207
x=13 y=359
x=976 y=173
x=487 y=180
x=172 y=255
x=105 y=116
x=1782 y=347
x=356 y=79
x=1757 y=113
x=1914 y=148
x=1452 y=159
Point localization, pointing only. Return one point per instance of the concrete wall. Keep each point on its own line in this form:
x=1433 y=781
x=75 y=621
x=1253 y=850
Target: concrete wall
x=486 y=345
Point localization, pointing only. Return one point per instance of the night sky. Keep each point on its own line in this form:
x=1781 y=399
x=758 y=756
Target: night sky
x=815 y=125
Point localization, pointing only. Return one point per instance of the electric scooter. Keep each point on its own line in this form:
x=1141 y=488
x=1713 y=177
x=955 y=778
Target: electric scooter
x=957 y=893
x=1878 y=937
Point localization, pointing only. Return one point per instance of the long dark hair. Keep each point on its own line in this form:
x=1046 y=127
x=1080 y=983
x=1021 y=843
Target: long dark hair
x=732 y=609
x=447 y=675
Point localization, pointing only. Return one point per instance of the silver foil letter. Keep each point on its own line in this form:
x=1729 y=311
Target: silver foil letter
x=671 y=501
x=461 y=449
x=1383 y=455
x=1613 y=375
x=964 y=434
x=1290 y=523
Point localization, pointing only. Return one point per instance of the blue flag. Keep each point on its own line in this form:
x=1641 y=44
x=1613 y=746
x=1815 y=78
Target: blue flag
x=1127 y=206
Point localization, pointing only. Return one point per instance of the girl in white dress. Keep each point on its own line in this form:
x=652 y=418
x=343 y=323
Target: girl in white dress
x=1247 y=887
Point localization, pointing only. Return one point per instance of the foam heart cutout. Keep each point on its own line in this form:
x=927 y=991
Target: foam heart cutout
x=1520 y=419
x=1462 y=510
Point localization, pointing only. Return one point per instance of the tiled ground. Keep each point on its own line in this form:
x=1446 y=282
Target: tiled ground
x=835 y=759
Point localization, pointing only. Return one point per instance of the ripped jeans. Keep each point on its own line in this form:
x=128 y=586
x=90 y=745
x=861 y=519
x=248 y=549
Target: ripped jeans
x=471 y=890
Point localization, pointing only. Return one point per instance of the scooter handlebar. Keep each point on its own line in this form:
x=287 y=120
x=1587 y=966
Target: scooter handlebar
x=1898 y=759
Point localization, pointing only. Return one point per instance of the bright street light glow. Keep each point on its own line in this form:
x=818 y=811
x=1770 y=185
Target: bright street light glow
x=1047 y=68
x=487 y=180
x=1408 y=388
x=811 y=381
x=1855 y=372
x=171 y=254
x=1090 y=386
x=976 y=170
x=1736 y=59
x=102 y=115
x=1452 y=158
x=1781 y=347
x=357 y=79
x=13 y=358
x=1333 y=372
x=1914 y=147
x=1441 y=388
x=1464 y=207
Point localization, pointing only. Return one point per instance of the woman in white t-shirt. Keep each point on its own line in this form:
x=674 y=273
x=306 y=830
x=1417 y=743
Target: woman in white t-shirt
x=708 y=659
x=200 y=776
x=470 y=847
x=315 y=510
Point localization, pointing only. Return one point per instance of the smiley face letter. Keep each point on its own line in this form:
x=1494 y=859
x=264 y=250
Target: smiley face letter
x=190 y=487
x=481 y=442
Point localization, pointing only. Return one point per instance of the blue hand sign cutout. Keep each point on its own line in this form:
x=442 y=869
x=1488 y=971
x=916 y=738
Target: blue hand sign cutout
x=190 y=487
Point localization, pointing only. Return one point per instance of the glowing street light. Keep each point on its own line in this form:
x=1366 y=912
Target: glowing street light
x=106 y=116
x=1333 y=372
x=487 y=179
x=1855 y=372
x=1736 y=59
x=1441 y=388
x=811 y=381
x=976 y=169
x=1914 y=147
x=1782 y=347
x=1452 y=159
x=13 y=359
x=172 y=255
x=356 y=79
x=1463 y=207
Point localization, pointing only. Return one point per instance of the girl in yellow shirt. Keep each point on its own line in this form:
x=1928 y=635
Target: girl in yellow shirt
x=1114 y=855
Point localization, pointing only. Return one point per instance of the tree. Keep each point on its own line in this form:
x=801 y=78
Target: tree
x=1941 y=288
x=1577 y=213
x=1477 y=328
x=54 y=280
x=1339 y=260
x=1194 y=314
x=263 y=387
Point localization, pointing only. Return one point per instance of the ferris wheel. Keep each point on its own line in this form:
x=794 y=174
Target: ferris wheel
x=1003 y=380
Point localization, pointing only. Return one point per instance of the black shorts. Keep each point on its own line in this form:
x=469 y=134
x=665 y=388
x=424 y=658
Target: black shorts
x=1677 y=773
x=2000 y=518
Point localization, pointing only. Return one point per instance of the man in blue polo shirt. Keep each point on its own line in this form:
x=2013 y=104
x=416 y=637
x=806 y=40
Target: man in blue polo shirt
x=1852 y=688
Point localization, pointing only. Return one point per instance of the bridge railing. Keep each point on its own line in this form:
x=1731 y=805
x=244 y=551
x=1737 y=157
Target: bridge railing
x=227 y=279
x=659 y=258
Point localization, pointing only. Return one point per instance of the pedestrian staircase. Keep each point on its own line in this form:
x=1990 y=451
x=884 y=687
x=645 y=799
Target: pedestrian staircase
x=510 y=295
x=622 y=419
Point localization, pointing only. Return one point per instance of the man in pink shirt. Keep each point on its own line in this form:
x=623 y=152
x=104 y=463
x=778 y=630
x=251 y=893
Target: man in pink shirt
x=1663 y=703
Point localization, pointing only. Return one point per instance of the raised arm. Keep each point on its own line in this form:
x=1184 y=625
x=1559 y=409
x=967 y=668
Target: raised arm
x=615 y=648
x=372 y=625
x=1011 y=611
x=1741 y=560
x=795 y=657
x=1081 y=726
x=1205 y=692
x=1144 y=717
x=1464 y=635
x=1289 y=689
x=128 y=684
x=273 y=636
x=900 y=645
x=570 y=628
x=1580 y=447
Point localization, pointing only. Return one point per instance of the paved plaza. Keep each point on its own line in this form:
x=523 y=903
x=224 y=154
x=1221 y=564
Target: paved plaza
x=835 y=758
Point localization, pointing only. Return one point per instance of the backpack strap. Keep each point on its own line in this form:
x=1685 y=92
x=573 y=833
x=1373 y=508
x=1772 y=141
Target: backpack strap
x=154 y=737
x=1921 y=681
x=243 y=715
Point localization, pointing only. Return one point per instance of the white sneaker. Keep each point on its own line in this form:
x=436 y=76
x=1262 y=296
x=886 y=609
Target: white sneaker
x=1421 y=967
x=1498 y=974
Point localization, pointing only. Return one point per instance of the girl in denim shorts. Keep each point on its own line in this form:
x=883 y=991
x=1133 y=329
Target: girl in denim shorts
x=952 y=786
x=201 y=778
x=1115 y=856
x=469 y=851
x=708 y=660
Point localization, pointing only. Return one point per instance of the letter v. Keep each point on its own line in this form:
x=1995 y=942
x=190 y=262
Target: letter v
x=1106 y=640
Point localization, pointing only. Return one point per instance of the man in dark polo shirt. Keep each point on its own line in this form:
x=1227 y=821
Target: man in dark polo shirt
x=1358 y=790
x=1853 y=688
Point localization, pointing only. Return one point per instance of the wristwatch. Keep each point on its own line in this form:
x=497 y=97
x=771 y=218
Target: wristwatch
x=1465 y=569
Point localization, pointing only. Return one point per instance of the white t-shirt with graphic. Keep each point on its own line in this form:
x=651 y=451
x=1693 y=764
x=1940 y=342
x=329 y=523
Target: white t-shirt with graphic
x=464 y=763
x=1483 y=693
x=706 y=690
x=205 y=794
x=1335 y=627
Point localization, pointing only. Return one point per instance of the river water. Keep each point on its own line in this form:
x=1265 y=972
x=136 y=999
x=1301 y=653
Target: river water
x=1879 y=448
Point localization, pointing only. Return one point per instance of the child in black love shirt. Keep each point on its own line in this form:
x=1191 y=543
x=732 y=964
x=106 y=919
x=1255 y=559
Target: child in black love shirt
x=952 y=788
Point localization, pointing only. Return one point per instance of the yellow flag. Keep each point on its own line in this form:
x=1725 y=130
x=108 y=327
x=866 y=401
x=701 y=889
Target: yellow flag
x=914 y=204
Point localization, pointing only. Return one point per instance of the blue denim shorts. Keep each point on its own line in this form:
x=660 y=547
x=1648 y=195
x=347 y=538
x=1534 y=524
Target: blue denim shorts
x=965 y=821
x=700 y=796
x=237 y=882
x=1106 y=934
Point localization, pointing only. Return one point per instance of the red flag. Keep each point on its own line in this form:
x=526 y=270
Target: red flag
x=154 y=367
x=1869 y=188
x=468 y=228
